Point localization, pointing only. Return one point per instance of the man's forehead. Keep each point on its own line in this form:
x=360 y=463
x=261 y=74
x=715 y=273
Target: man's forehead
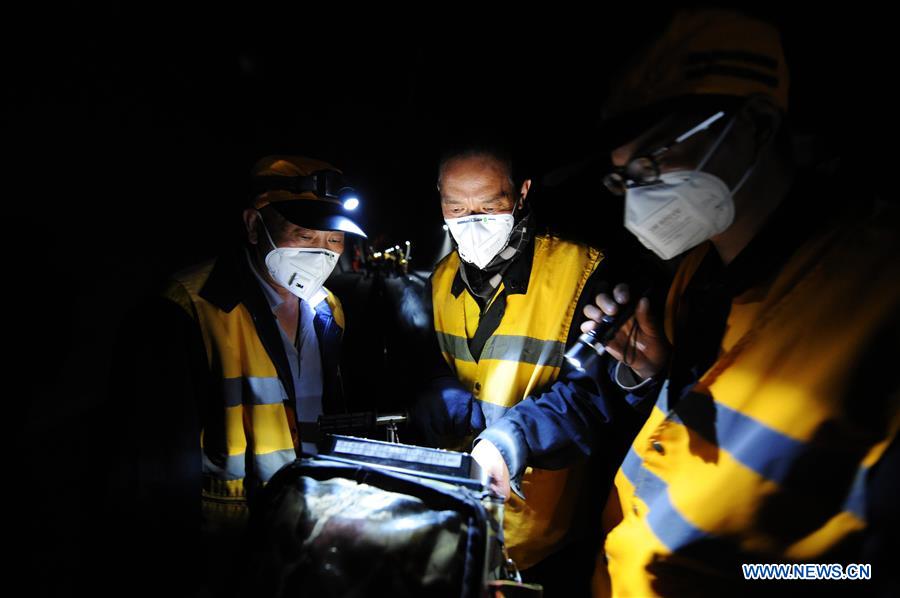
x=473 y=175
x=474 y=166
x=477 y=187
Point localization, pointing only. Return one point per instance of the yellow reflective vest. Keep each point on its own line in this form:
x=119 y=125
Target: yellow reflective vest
x=250 y=428
x=521 y=358
x=765 y=459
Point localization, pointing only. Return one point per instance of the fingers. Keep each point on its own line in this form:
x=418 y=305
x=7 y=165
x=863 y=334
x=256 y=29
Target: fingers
x=628 y=345
x=644 y=320
x=500 y=487
x=621 y=293
x=593 y=312
x=627 y=341
x=607 y=306
x=491 y=461
x=610 y=305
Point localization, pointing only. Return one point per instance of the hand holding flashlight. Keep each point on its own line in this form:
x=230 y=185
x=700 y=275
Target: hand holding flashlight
x=625 y=330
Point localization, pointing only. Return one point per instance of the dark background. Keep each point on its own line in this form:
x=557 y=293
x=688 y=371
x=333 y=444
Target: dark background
x=130 y=130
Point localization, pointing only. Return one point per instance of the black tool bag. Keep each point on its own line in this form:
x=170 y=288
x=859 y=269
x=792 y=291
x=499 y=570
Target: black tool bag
x=324 y=529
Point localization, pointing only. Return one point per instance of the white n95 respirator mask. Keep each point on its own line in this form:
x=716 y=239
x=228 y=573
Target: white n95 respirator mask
x=480 y=237
x=683 y=209
x=301 y=270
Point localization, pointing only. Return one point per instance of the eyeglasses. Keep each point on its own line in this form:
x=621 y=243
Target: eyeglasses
x=644 y=169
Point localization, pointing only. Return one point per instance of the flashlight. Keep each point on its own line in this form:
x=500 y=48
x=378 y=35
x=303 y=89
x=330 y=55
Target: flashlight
x=592 y=345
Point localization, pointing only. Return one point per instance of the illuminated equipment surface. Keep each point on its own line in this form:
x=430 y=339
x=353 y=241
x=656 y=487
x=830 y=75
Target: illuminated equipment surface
x=367 y=517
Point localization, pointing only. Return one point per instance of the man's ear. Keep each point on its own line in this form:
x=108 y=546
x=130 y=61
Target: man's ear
x=251 y=225
x=764 y=117
x=523 y=193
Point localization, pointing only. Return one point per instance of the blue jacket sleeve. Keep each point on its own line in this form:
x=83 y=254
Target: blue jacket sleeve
x=584 y=411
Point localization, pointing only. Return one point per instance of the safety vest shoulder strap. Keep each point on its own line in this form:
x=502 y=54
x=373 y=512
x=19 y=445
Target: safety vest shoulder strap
x=444 y=273
x=337 y=309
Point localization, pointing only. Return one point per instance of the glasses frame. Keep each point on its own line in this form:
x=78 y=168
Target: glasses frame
x=644 y=169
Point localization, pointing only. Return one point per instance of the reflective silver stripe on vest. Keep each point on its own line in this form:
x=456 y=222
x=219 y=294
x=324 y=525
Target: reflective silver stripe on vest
x=523 y=349
x=257 y=390
x=456 y=346
x=269 y=463
x=232 y=467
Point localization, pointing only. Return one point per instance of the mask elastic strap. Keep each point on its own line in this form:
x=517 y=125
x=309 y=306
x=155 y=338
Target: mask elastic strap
x=263 y=222
x=715 y=146
x=747 y=174
x=744 y=178
x=712 y=150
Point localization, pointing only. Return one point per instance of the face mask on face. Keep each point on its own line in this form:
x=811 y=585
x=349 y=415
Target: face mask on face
x=683 y=209
x=301 y=270
x=480 y=237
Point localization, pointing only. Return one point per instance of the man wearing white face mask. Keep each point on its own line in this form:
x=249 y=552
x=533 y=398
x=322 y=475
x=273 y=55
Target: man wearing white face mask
x=255 y=363
x=504 y=304
x=773 y=414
